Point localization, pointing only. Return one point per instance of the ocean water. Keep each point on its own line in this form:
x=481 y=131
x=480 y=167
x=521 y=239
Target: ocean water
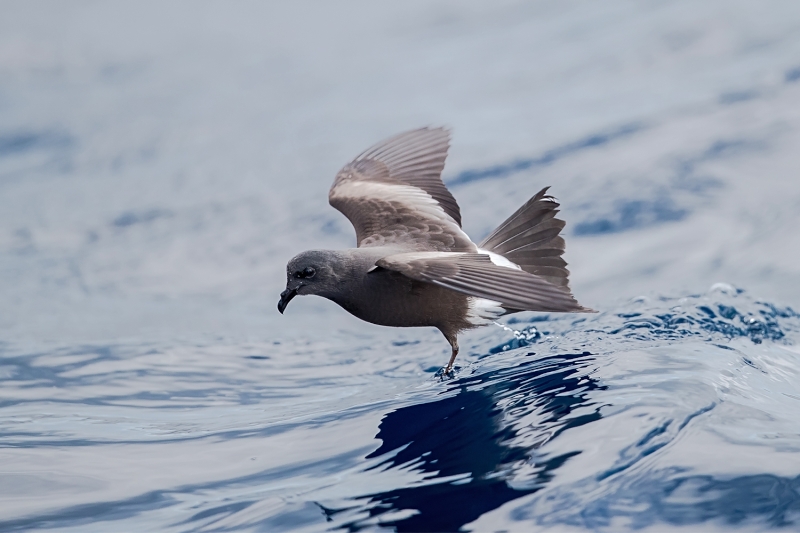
x=160 y=163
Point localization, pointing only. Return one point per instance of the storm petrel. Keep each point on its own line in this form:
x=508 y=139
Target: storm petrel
x=414 y=265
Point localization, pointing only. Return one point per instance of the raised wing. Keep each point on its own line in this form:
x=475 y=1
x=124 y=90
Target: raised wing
x=393 y=194
x=476 y=275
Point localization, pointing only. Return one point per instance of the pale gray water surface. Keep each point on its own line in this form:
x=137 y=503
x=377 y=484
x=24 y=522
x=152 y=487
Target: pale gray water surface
x=159 y=163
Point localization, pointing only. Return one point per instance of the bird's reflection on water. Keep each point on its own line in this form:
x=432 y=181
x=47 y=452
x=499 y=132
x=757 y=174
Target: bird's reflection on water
x=472 y=440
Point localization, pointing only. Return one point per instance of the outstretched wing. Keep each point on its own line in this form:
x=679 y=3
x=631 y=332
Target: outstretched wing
x=476 y=275
x=393 y=194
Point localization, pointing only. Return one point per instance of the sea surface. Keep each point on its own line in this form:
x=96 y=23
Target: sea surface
x=160 y=163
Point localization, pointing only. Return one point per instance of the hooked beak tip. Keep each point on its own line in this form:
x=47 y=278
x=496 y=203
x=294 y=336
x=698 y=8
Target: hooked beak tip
x=286 y=297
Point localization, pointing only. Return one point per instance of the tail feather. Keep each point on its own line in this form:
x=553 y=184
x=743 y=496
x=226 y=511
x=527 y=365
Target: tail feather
x=530 y=238
x=524 y=217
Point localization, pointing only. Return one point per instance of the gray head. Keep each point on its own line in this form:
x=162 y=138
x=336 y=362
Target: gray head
x=312 y=272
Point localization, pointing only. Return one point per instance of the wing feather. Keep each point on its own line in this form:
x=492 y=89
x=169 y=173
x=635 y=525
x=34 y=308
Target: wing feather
x=475 y=275
x=393 y=193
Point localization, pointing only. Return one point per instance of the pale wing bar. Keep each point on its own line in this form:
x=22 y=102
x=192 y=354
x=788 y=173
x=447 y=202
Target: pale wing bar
x=393 y=193
x=417 y=158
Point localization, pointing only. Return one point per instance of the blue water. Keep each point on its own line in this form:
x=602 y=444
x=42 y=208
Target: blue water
x=677 y=411
x=160 y=163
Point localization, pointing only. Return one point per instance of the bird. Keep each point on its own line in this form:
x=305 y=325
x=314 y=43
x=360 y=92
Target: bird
x=414 y=266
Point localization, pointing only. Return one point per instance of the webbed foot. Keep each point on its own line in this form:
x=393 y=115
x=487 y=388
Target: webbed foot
x=445 y=373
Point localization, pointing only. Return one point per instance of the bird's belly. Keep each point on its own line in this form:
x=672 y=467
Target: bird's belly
x=391 y=299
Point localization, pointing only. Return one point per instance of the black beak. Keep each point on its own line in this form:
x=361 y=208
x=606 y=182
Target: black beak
x=286 y=297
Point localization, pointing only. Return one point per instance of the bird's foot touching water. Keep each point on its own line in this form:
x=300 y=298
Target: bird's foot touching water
x=445 y=373
x=448 y=370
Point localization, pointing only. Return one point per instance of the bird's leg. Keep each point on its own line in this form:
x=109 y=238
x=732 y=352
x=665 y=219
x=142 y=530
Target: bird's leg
x=454 y=345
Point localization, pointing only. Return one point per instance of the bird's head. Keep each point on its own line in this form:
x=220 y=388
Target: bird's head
x=311 y=272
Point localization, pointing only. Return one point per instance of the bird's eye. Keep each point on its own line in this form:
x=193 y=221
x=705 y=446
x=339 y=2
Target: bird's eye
x=307 y=272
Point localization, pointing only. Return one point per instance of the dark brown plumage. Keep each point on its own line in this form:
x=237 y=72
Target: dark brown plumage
x=414 y=265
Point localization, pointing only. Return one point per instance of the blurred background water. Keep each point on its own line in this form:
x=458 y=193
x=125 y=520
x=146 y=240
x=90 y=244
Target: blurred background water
x=160 y=163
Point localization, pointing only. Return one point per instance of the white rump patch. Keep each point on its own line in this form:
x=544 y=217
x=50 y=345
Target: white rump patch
x=481 y=311
x=499 y=260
